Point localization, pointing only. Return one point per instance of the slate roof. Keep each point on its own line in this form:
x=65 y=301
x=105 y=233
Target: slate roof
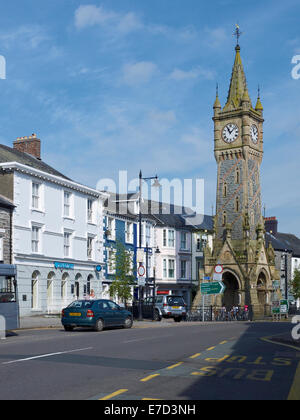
x=284 y=242
x=8 y=154
x=162 y=214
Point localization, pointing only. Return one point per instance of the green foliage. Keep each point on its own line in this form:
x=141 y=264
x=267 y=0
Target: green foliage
x=124 y=274
x=295 y=285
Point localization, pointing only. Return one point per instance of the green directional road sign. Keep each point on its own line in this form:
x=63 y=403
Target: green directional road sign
x=214 y=288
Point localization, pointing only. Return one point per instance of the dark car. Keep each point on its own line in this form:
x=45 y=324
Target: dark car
x=96 y=314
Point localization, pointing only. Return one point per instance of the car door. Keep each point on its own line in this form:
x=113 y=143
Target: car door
x=104 y=312
x=116 y=313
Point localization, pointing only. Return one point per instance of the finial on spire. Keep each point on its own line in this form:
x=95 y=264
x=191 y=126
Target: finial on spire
x=217 y=91
x=258 y=90
x=237 y=33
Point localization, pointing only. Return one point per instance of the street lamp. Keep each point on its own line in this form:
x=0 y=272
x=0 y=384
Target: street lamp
x=156 y=184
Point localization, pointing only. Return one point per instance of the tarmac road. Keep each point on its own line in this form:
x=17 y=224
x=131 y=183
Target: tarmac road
x=225 y=361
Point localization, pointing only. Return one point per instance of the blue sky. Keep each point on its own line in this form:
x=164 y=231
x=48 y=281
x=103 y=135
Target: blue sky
x=124 y=85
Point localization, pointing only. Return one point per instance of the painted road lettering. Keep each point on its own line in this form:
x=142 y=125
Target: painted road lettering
x=235 y=373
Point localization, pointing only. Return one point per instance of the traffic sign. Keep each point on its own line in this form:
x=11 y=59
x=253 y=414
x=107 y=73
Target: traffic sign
x=217 y=277
x=141 y=271
x=142 y=281
x=214 y=288
x=219 y=269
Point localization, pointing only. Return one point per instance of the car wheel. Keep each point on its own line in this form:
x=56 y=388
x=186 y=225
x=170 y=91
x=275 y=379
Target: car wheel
x=157 y=317
x=99 y=325
x=128 y=322
x=68 y=328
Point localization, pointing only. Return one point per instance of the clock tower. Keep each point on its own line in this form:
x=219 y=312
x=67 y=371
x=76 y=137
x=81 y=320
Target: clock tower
x=239 y=242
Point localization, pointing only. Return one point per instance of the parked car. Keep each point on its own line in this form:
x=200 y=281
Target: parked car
x=96 y=314
x=168 y=307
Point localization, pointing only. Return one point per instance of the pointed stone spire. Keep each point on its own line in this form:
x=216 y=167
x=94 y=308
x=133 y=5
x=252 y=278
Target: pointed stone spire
x=238 y=90
x=217 y=104
x=259 y=107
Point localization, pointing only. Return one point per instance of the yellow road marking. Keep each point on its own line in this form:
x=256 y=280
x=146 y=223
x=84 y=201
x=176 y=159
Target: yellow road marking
x=148 y=378
x=224 y=342
x=268 y=340
x=150 y=399
x=294 y=394
x=175 y=366
x=114 y=394
x=195 y=356
x=210 y=348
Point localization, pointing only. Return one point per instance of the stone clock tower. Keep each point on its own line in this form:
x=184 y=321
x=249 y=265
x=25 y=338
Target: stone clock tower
x=239 y=243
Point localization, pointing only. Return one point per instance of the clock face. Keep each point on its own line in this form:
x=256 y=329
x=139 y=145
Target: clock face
x=254 y=134
x=230 y=133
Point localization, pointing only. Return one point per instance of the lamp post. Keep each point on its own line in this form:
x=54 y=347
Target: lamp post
x=156 y=185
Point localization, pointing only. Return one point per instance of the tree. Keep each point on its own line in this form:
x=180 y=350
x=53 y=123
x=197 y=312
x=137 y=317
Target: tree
x=295 y=285
x=124 y=277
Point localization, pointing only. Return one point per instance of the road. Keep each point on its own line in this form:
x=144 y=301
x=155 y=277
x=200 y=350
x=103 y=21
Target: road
x=171 y=362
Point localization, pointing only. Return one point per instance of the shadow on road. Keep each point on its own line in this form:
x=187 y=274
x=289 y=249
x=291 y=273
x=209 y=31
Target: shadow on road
x=246 y=369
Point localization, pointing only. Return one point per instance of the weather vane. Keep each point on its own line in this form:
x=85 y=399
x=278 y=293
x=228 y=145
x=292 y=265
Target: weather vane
x=237 y=33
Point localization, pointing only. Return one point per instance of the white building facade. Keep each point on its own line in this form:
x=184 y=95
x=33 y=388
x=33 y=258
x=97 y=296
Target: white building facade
x=57 y=239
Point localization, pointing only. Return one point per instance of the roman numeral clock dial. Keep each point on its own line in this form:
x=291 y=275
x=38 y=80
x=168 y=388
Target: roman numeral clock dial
x=230 y=133
x=254 y=134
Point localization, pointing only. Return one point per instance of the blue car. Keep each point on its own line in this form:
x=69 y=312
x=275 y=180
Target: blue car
x=96 y=314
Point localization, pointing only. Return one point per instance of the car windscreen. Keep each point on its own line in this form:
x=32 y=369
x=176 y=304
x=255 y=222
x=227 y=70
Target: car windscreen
x=175 y=301
x=81 y=304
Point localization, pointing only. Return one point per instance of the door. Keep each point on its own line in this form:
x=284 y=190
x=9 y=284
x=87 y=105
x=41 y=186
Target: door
x=116 y=313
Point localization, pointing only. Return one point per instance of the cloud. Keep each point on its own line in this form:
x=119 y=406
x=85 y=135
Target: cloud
x=91 y=15
x=136 y=74
x=26 y=36
x=180 y=75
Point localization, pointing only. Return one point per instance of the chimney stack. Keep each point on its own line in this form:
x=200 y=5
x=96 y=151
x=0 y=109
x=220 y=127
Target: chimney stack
x=30 y=145
x=271 y=225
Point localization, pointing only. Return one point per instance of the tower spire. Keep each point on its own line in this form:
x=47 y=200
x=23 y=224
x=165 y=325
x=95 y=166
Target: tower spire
x=259 y=107
x=238 y=89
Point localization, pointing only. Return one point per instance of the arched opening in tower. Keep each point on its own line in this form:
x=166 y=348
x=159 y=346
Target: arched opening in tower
x=231 y=295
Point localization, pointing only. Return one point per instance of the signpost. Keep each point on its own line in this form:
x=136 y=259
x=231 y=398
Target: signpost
x=208 y=289
x=214 y=288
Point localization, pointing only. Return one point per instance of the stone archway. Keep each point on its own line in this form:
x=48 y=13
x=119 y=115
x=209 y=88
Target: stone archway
x=231 y=295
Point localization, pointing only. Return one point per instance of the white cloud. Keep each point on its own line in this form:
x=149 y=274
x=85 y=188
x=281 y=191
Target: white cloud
x=139 y=73
x=27 y=36
x=91 y=15
x=196 y=73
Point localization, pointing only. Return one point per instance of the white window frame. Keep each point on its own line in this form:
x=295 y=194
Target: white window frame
x=90 y=210
x=67 y=210
x=36 y=195
x=129 y=232
x=171 y=267
x=171 y=238
x=35 y=239
x=90 y=247
x=111 y=227
x=111 y=260
x=67 y=244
